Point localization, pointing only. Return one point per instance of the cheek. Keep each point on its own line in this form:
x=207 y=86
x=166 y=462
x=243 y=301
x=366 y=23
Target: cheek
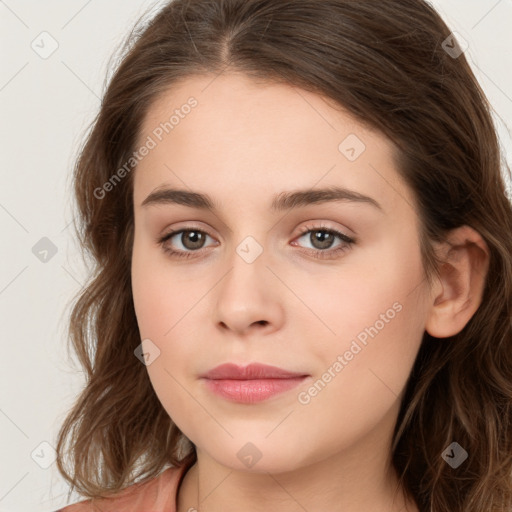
x=162 y=295
x=163 y=315
x=359 y=383
x=157 y=309
x=161 y=311
x=377 y=315
x=364 y=295
x=165 y=300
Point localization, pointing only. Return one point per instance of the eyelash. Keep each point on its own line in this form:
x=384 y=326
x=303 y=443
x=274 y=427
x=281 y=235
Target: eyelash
x=316 y=253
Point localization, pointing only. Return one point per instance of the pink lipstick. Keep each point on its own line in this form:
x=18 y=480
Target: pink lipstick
x=250 y=384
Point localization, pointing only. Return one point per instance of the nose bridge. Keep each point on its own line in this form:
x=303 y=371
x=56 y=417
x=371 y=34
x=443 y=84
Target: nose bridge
x=250 y=249
x=244 y=296
x=247 y=262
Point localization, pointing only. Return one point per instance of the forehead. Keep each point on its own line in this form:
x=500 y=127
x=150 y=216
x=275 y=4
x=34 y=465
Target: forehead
x=230 y=135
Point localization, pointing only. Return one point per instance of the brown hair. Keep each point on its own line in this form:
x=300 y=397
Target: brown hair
x=384 y=62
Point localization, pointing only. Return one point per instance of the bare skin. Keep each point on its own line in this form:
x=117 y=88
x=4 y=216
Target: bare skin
x=320 y=448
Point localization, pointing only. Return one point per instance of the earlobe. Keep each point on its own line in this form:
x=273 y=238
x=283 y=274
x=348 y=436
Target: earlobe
x=458 y=294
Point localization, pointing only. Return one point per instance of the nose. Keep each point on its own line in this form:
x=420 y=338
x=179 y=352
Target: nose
x=249 y=298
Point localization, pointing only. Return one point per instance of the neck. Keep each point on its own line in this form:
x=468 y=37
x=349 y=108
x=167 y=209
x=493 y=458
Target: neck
x=357 y=479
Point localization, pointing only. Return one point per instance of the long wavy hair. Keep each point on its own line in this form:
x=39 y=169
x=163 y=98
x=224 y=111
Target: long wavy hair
x=387 y=63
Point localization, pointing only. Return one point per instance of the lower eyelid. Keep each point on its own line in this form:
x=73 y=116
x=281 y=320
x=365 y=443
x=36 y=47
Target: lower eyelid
x=172 y=234
x=345 y=241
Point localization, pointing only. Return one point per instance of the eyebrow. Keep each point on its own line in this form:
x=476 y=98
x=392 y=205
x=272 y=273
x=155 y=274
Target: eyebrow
x=281 y=202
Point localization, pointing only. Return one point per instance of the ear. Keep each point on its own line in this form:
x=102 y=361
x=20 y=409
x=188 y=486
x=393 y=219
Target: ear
x=458 y=293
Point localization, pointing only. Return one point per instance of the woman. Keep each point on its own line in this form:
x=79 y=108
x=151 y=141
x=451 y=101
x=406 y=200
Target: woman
x=302 y=297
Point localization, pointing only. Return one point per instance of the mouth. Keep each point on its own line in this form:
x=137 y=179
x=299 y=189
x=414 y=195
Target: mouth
x=251 y=384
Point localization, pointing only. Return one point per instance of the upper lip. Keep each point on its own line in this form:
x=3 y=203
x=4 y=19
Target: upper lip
x=250 y=372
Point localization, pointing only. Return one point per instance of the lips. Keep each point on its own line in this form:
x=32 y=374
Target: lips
x=251 y=372
x=250 y=384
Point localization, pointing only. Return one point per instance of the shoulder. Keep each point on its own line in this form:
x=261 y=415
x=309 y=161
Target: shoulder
x=158 y=493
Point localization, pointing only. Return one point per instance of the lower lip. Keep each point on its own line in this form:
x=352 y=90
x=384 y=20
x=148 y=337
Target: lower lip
x=251 y=391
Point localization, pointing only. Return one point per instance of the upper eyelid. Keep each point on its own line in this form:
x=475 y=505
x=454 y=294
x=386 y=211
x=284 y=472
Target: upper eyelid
x=303 y=231
x=347 y=241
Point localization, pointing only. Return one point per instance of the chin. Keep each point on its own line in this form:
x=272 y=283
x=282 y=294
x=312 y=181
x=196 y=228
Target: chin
x=258 y=454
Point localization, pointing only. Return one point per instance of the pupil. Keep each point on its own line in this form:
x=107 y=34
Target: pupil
x=323 y=238
x=191 y=239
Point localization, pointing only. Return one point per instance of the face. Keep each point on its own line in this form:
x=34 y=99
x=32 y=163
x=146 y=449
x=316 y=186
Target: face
x=328 y=287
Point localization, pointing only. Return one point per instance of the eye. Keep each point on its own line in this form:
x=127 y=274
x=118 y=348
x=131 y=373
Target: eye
x=322 y=238
x=190 y=239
